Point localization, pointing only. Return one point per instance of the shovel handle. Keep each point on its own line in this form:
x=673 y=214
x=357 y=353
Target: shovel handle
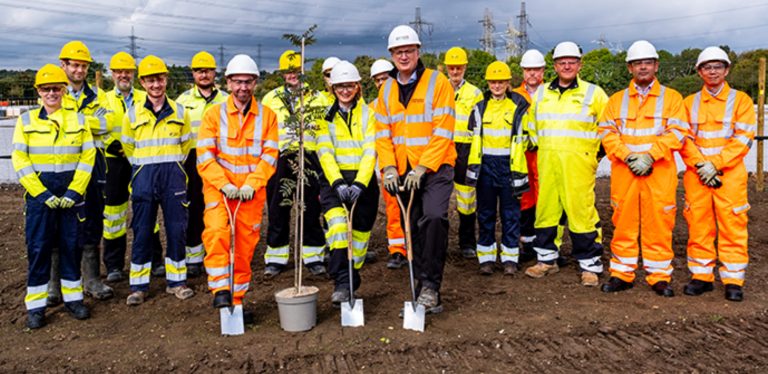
x=407 y=214
x=232 y=217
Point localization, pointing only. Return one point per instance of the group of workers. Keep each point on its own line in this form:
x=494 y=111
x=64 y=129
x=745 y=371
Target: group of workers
x=527 y=155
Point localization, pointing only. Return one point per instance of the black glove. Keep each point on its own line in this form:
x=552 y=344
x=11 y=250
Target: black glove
x=353 y=193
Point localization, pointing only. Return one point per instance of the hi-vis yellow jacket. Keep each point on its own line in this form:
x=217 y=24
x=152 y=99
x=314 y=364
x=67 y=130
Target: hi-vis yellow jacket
x=152 y=140
x=348 y=144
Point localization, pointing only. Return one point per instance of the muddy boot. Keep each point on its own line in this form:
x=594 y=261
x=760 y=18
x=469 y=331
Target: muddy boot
x=93 y=286
x=54 y=285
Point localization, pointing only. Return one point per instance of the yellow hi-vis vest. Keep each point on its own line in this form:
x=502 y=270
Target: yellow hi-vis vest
x=467 y=96
x=92 y=102
x=279 y=101
x=196 y=105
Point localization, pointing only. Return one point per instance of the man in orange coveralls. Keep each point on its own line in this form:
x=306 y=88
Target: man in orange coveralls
x=236 y=155
x=641 y=128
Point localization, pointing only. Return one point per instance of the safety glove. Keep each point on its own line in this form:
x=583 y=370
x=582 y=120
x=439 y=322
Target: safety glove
x=53 y=202
x=644 y=164
x=341 y=188
x=391 y=180
x=353 y=193
x=715 y=182
x=706 y=171
x=413 y=179
x=230 y=191
x=66 y=203
x=246 y=193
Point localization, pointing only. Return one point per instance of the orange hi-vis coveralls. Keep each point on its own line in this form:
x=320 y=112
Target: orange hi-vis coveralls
x=643 y=206
x=722 y=129
x=237 y=148
x=395 y=234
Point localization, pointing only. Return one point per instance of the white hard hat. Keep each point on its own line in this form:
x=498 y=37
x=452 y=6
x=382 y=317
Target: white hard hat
x=403 y=35
x=566 y=49
x=532 y=59
x=242 y=64
x=381 y=66
x=712 y=54
x=344 y=72
x=641 y=50
x=330 y=62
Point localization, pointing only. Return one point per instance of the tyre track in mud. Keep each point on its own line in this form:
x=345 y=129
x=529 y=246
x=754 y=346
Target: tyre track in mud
x=733 y=345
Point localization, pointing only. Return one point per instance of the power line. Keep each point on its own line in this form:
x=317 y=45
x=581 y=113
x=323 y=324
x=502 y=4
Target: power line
x=522 y=30
x=487 y=42
x=421 y=26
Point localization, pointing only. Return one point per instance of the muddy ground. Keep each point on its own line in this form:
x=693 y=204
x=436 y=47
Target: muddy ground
x=490 y=324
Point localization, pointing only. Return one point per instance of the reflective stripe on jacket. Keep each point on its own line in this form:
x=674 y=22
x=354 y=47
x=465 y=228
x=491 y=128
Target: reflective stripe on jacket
x=348 y=145
x=93 y=102
x=279 y=101
x=722 y=127
x=237 y=149
x=61 y=143
x=632 y=124
x=567 y=121
x=466 y=98
x=147 y=141
x=196 y=105
x=422 y=132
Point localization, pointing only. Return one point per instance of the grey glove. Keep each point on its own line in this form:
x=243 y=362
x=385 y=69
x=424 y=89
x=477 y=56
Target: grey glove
x=641 y=164
x=246 y=192
x=343 y=191
x=66 y=203
x=53 y=202
x=413 y=179
x=230 y=191
x=391 y=179
x=353 y=193
x=706 y=171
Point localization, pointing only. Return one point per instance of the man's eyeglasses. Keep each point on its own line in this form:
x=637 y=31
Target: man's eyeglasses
x=713 y=67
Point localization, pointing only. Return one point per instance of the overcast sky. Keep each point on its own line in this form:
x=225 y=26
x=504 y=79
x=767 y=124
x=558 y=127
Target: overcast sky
x=32 y=32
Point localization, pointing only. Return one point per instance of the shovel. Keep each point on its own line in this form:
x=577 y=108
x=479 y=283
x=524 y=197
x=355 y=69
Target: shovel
x=413 y=312
x=232 y=316
x=352 y=311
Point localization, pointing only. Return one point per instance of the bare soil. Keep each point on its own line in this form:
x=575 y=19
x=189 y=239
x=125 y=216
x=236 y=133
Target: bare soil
x=490 y=324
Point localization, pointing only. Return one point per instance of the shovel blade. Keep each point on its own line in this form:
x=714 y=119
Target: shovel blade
x=232 y=320
x=413 y=318
x=352 y=316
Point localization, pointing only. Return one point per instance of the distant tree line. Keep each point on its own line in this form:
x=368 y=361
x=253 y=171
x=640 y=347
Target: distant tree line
x=600 y=66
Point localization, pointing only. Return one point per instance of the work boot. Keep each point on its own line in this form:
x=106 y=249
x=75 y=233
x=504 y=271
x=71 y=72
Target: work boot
x=222 y=299
x=136 y=298
x=734 y=292
x=562 y=261
x=114 y=276
x=589 y=279
x=93 y=286
x=527 y=253
x=370 y=257
x=36 y=319
x=616 y=284
x=272 y=270
x=339 y=295
x=54 y=285
x=697 y=287
x=541 y=269
x=663 y=288
x=194 y=270
x=317 y=270
x=486 y=268
x=78 y=310
x=396 y=261
x=431 y=301
x=510 y=268
x=181 y=292
x=468 y=253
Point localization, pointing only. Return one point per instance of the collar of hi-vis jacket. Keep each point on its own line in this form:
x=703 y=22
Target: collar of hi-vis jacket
x=655 y=88
x=90 y=96
x=164 y=112
x=721 y=96
x=249 y=108
x=335 y=108
x=419 y=72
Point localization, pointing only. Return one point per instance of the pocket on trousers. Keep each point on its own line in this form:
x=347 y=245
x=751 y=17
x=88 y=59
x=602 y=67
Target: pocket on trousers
x=80 y=211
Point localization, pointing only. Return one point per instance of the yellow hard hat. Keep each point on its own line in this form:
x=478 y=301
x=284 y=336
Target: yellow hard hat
x=498 y=71
x=456 y=56
x=122 y=61
x=49 y=74
x=152 y=65
x=75 y=50
x=290 y=60
x=203 y=60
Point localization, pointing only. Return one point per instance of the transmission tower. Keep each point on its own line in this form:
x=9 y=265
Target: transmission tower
x=487 y=42
x=510 y=39
x=522 y=30
x=421 y=26
x=132 y=45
